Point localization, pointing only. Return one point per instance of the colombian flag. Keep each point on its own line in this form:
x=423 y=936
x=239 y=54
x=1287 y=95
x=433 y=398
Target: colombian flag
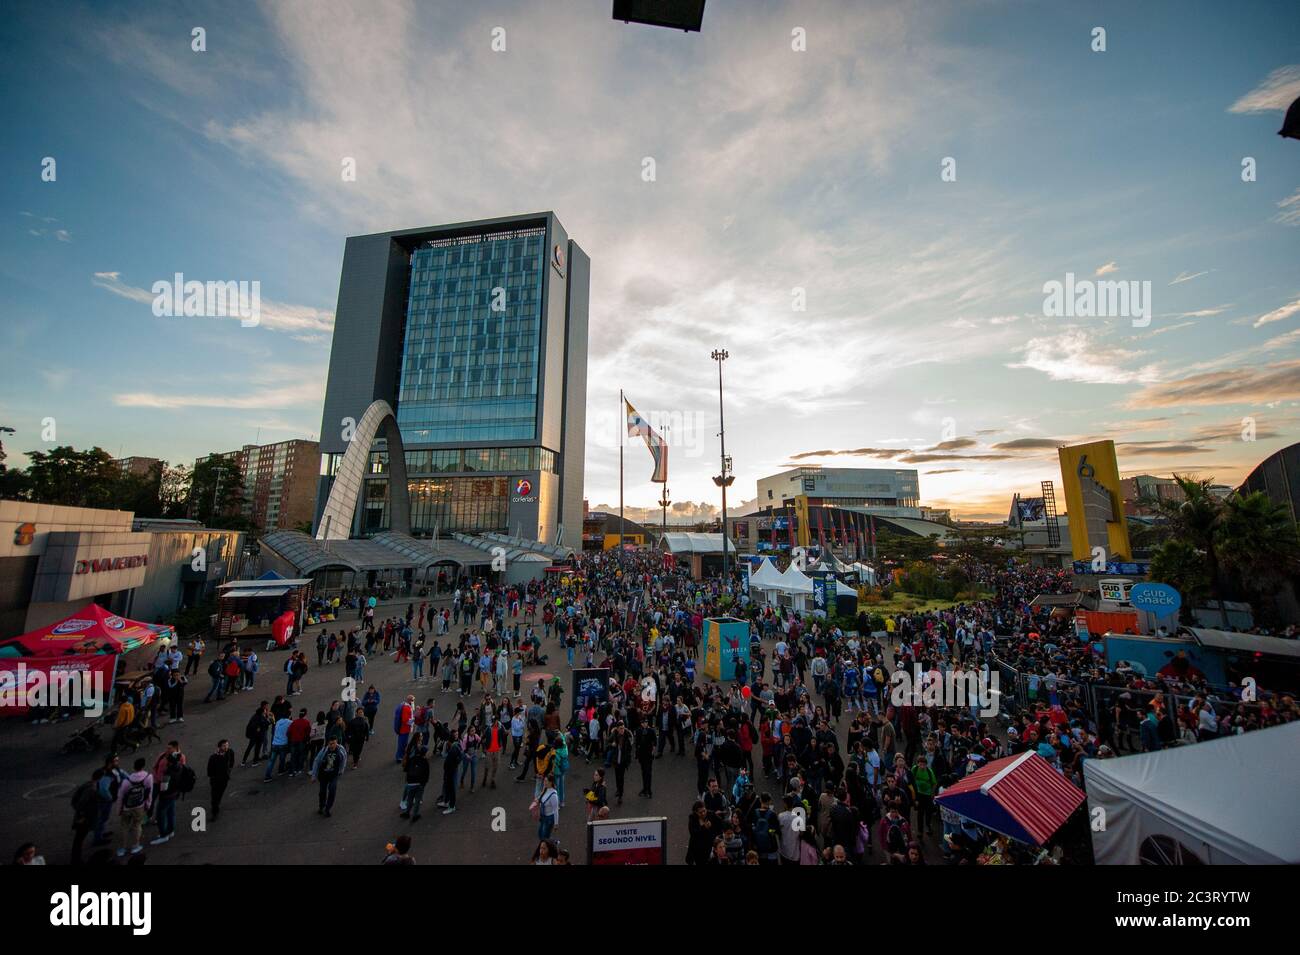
x=658 y=450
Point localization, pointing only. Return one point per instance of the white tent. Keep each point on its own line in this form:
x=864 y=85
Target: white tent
x=795 y=581
x=864 y=572
x=766 y=577
x=1229 y=801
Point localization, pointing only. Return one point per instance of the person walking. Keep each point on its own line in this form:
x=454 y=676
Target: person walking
x=195 y=656
x=134 y=800
x=171 y=778
x=645 y=755
x=358 y=734
x=494 y=743
x=220 y=765
x=450 y=768
x=328 y=768
x=403 y=720
x=548 y=808
x=85 y=812
x=417 y=777
x=279 y=746
x=370 y=705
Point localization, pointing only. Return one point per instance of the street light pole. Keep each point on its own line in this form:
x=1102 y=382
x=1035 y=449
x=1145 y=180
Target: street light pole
x=724 y=479
x=663 y=498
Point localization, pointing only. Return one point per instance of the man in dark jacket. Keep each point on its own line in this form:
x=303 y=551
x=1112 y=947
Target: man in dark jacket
x=358 y=733
x=220 y=765
x=417 y=777
x=621 y=743
x=450 y=768
x=645 y=755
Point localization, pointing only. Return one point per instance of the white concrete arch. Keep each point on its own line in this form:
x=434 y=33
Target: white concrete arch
x=336 y=519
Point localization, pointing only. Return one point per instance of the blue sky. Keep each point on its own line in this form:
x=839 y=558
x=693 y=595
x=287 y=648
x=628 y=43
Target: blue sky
x=923 y=342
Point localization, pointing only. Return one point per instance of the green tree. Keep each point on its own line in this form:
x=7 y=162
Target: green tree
x=141 y=493
x=905 y=549
x=14 y=485
x=217 y=493
x=1258 y=545
x=174 y=490
x=1178 y=563
x=1197 y=520
x=74 y=478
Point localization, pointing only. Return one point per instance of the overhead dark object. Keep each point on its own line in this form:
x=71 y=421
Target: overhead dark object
x=678 y=14
x=1290 y=126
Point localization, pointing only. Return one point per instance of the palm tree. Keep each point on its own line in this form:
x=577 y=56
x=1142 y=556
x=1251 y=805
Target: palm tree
x=1258 y=543
x=1179 y=564
x=1197 y=520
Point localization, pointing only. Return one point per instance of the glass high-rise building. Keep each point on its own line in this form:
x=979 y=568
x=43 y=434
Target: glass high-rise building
x=476 y=335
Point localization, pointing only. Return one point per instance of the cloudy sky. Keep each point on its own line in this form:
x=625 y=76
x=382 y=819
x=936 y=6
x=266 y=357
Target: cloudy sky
x=876 y=314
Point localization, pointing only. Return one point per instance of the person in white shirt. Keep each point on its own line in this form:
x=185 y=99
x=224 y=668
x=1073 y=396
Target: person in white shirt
x=791 y=823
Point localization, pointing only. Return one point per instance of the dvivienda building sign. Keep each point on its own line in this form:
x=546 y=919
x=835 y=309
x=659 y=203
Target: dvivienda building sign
x=110 y=563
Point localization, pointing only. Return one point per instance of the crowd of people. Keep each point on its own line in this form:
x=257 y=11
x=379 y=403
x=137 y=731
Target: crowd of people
x=806 y=756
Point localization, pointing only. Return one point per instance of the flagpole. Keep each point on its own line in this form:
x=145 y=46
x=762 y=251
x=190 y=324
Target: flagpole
x=622 y=432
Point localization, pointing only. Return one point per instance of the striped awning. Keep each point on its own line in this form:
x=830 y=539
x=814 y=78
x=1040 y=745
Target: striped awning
x=1021 y=797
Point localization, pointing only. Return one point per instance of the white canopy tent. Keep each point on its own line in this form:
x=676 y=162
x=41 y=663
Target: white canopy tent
x=1228 y=801
x=765 y=576
x=864 y=572
x=794 y=581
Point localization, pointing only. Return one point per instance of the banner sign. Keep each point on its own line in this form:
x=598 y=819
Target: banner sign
x=628 y=841
x=1122 y=568
x=1158 y=599
x=590 y=686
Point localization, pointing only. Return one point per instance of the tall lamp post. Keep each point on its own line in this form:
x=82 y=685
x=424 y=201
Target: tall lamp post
x=664 y=501
x=724 y=479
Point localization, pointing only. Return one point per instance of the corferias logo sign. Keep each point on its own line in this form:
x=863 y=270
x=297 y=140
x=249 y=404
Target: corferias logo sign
x=557 y=259
x=523 y=492
x=24 y=533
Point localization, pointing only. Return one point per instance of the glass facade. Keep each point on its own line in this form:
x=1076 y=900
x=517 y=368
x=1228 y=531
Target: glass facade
x=470 y=459
x=473 y=327
x=469 y=504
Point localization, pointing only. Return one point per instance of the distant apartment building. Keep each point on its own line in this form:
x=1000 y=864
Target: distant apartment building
x=279 y=482
x=940 y=515
x=1137 y=490
x=139 y=466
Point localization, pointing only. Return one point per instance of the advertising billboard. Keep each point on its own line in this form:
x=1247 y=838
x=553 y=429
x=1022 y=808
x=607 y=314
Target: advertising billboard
x=628 y=841
x=1094 y=503
x=726 y=640
x=1030 y=509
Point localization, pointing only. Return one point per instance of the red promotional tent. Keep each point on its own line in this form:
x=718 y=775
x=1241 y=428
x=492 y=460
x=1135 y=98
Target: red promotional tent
x=1021 y=796
x=92 y=629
